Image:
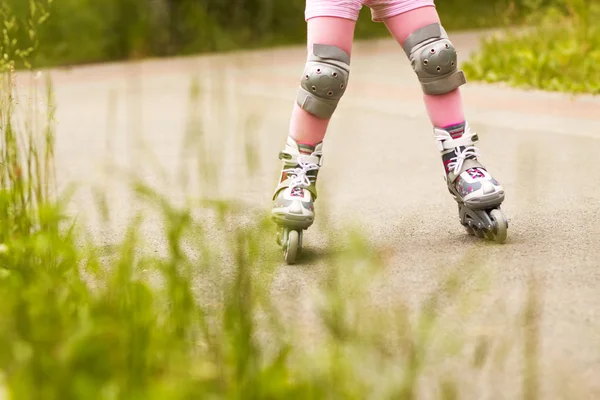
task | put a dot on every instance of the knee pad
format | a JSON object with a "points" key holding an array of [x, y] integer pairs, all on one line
{"points": [[324, 81], [434, 59]]}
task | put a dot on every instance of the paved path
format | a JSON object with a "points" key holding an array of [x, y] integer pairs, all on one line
{"points": [[382, 171]]}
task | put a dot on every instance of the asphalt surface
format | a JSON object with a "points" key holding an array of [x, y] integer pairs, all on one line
{"points": [[381, 172]]}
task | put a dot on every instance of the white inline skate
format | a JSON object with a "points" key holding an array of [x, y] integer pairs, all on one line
{"points": [[293, 208], [477, 193]]}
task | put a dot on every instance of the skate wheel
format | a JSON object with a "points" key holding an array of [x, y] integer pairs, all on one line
{"points": [[500, 225], [469, 230], [279, 237], [292, 246]]}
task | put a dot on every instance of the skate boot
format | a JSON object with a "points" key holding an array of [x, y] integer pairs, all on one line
{"points": [[293, 207], [477, 193]]}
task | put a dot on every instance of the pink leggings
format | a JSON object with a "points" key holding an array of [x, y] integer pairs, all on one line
{"points": [[327, 26]]}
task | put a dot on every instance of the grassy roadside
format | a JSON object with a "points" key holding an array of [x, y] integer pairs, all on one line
{"points": [[561, 54]]}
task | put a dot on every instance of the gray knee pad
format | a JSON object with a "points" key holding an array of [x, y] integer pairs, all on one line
{"points": [[324, 81], [434, 59]]}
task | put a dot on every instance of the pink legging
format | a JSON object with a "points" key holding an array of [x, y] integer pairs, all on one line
{"points": [[443, 110]]}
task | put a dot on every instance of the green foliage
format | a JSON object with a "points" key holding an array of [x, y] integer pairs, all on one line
{"points": [[561, 53]]}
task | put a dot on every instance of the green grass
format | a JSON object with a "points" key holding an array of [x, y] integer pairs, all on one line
{"points": [[561, 53], [199, 319]]}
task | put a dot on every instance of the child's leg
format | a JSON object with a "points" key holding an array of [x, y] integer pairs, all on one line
{"points": [[305, 127], [434, 59], [444, 109], [322, 85]]}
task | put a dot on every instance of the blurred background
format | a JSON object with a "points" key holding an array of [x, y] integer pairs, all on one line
{"points": [[90, 31]]}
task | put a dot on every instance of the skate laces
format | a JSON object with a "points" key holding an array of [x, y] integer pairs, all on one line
{"points": [[300, 174], [463, 148], [457, 162]]}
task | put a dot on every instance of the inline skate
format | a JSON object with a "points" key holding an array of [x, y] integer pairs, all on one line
{"points": [[293, 208], [478, 194]]}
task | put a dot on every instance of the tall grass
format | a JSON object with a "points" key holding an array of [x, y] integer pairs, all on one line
{"points": [[200, 320]]}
